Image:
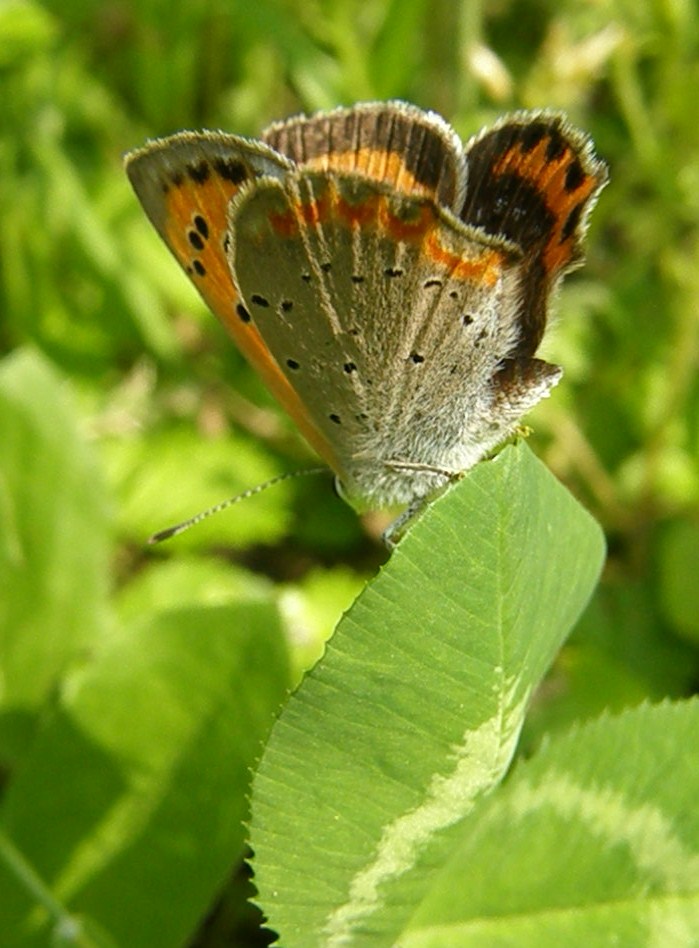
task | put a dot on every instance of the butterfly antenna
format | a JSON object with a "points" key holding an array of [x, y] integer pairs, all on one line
{"points": [[224, 504]]}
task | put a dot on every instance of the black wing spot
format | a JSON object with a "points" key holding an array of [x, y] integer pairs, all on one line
{"points": [[575, 176], [483, 334], [287, 305], [350, 367], [195, 240], [226, 243], [199, 172], [416, 358], [259, 300], [557, 145], [231, 169], [335, 418], [467, 319], [572, 222], [454, 294], [393, 272], [177, 178], [201, 226], [531, 135], [199, 268], [356, 278], [293, 364], [434, 281], [306, 277], [515, 209], [326, 267], [243, 313]]}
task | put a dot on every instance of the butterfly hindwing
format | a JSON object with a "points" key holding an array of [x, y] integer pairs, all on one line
{"points": [[379, 304]]}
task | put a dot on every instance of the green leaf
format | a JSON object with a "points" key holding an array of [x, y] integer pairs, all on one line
{"points": [[129, 809], [415, 712], [589, 843], [53, 542]]}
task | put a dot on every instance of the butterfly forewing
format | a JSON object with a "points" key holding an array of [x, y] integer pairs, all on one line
{"points": [[415, 152], [185, 184], [533, 179]]}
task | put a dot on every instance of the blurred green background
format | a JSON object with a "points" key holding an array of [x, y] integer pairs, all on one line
{"points": [[168, 419]]}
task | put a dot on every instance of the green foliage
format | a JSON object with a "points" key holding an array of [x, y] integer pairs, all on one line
{"points": [[137, 685], [53, 552], [587, 839], [130, 741], [415, 712]]}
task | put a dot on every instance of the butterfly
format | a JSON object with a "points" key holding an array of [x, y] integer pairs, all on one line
{"points": [[390, 284]]}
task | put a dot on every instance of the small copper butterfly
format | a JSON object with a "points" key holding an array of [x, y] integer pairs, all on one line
{"points": [[390, 284]]}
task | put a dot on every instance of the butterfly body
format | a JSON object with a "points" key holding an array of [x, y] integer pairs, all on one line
{"points": [[390, 285]]}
